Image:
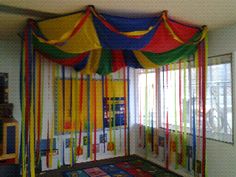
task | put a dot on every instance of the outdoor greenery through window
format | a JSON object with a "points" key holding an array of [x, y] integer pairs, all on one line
{"points": [[175, 88]]}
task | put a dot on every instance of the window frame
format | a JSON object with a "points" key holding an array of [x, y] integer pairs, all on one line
{"points": [[231, 62]]}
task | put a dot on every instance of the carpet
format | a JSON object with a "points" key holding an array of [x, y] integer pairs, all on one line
{"points": [[132, 168]]}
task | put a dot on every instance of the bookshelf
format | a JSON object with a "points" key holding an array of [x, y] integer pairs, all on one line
{"points": [[9, 139]]}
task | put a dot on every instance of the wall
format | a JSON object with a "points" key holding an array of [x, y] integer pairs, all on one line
{"points": [[221, 156], [102, 154], [48, 109], [10, 63]]}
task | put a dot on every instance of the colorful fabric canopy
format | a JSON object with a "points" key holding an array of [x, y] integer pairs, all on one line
{"points": [[91, 42], [100, 43]]}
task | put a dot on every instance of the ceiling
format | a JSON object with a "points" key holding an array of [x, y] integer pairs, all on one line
{"points": [[213, 13]]}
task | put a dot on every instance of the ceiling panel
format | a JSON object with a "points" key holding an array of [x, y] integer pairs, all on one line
{"points": [[213, 13], [11, 25]]}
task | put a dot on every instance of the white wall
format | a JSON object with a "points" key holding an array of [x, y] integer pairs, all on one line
{"points": [[221, 157], [10, 63]]}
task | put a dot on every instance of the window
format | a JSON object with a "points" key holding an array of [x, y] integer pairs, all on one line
{"points": [[170, 87], [219, 99]]}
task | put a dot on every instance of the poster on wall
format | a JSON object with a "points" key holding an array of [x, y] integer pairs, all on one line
{"points": [[103, 138], [113, 109]]}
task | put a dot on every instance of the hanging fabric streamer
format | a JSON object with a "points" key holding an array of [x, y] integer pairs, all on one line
{"points": [[157, 110], [31, 122], [190, 114], [95, 119], [149, 119], [107, 105], [23, 101], [176, 126], [48, 146], [79, 148], [140, 115], [75, 111], [167, 119], [57, 103], [125, 111], [38, 128], [60, 116], [38, 108], [152, 117], [204, 77], [120, 123], [48, 115], [146, 110], [28, 65], [42, 97], [184, 116], [34, 92], [110, 145], [71, 118], [23, 121], [128, 108], [196, 102], [199, 99], [104, 112], [164, 107], [171, 139], [194, 136], [149, 116], [64, 112], [27, 82], [91, 118], [205, 56], [200, 103], [152, 120], [113, 107], [53, 80], [35, 103], [88, 115], [180, 114]]}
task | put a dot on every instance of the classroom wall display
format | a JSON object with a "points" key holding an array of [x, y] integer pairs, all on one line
{"points": [[114, 111], [114, 107]]}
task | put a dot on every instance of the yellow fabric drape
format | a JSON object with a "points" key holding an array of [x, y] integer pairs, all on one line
{"points": [[85, 40], [143, 60], [93, 62]]}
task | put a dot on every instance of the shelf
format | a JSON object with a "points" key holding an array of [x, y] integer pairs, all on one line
{"points": [[7, 156], [9, 140]]}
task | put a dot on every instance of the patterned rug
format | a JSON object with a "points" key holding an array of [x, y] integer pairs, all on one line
{"points": [[134, 168]]}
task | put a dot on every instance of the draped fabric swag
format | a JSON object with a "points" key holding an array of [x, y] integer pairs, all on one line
{"points": [[95, 44]]}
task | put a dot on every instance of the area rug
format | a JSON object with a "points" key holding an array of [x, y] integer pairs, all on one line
{"points": [[132, 168]]}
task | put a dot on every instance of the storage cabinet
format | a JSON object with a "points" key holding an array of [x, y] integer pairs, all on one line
{"points": [[9, 140]]}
